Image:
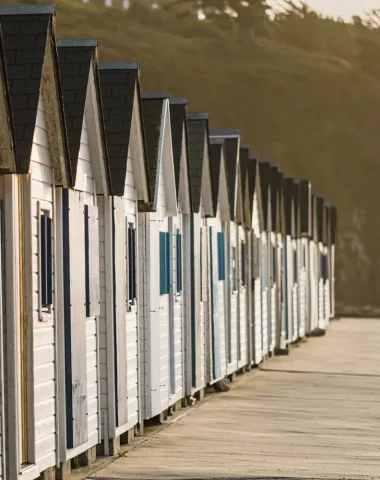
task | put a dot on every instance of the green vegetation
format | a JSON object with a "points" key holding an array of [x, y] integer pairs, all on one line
{"points": [[304, 90]]}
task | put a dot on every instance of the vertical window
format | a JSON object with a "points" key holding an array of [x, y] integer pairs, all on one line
{"points": [[87, 260], [46, 260], [179, 261], [243, 263], [164, 263], [295, 265], [131, 239], [221, 256]]}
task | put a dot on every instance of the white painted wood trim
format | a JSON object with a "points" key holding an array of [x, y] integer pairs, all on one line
{"points": [[108, 255], [11, 247]]}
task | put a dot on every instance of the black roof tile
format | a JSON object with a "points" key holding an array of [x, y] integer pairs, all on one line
{"points": [[305, 207], [6, 128], [152, 114], [334, 223], [179, 129], [76, 56], [119, 80], [254, 183], [231, 145], [288, 186], [320, 214], [265, 183], [27, 30], [216, 156], [198, 134]]}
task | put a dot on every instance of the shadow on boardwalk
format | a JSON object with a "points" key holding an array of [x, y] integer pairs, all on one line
{"points": [[312, 415]]}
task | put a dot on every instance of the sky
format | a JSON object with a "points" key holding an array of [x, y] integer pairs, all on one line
{"points": [[342, 8]]}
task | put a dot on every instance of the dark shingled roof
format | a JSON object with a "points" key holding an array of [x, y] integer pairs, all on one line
{"points": [[231, 142], [179, 128], [288, 187], [274, 188], [254, 181], [305, 207], [75, 57], [177, 123], [321, 223], [198, 133], [334, 223], [7, 164], [314, 228], [281, 211], [216, 149], [119, 81], [265, 183], [297, 217], [152, 113], [244, 159], [26, 30], [328, 222]]}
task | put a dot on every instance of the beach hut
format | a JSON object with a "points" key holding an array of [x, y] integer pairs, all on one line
{"points": [[266, 186], [305, 232], [218, 254], [279, 269], [180, 316], [198, 327], [274, 259], [332, 242], [298, 258], [244, 339], [323, 317], [122, 255], [31, 225], [290, 261], [236, 320], [160, 225], [78, 272], [254, 221], [314, 267]]}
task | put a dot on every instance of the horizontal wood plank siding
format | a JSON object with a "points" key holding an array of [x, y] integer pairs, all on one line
{"points": [[43, 332]]}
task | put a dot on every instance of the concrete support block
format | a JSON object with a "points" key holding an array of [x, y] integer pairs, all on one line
{"points": [[86, 458], [64, 470], [127, 437], [48, 474]]}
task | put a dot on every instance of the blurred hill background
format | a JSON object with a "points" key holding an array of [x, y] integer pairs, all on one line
{"points": [[303, 89]]}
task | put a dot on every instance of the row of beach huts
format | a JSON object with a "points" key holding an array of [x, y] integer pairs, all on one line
{"points": [[144, 257]]}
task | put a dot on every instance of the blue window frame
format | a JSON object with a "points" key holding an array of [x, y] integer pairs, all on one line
{"points": [[179, 261], [164, 263], [221, 256]]}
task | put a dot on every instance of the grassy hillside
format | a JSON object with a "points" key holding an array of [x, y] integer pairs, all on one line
{"points": [[308, 95]]}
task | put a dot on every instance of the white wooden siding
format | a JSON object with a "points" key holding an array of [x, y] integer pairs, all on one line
{"points": [[219, 318], [264, 293], [176, 324], [273, 317], [243, 348], [85, 179], [313, 294], [43, 332], [130, 209], [258, 356], [233, 314], [102, 319], [85, 184]]}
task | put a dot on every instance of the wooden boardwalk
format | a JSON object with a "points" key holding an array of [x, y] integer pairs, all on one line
{"points": [[314, 414]]}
